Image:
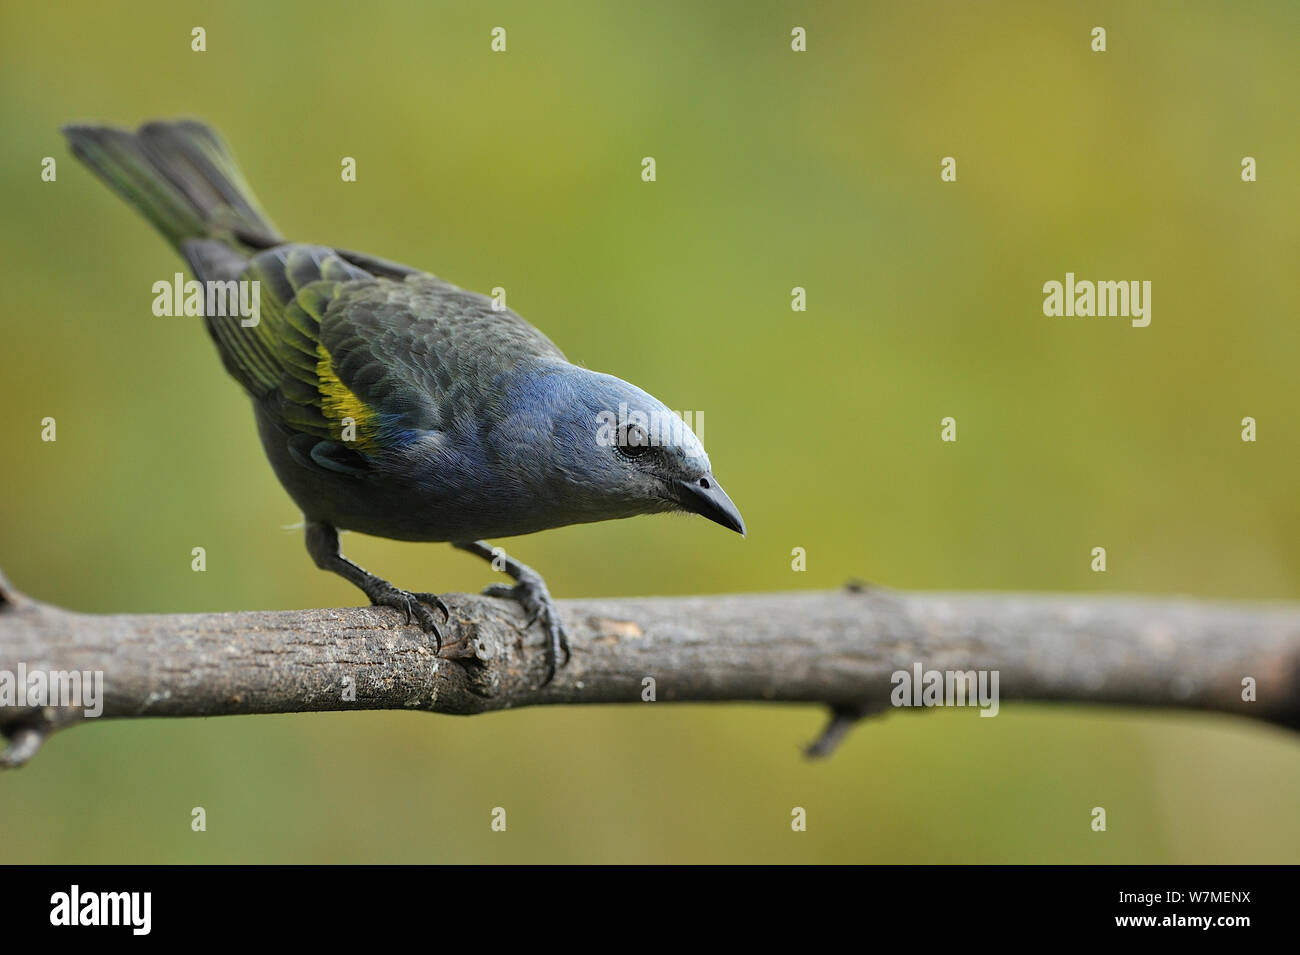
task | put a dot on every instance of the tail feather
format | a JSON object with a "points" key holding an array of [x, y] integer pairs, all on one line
{"points": [[179, 176]]}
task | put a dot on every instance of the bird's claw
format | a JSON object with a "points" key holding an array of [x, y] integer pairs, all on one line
{"points": [[531, 594], [433, 600], [413, 606]]}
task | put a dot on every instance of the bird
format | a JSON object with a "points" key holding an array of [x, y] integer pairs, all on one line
{"points": [[392, 403]]}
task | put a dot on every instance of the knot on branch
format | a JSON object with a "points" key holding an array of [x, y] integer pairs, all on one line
{"points": [[480, 654], [27, 728]]}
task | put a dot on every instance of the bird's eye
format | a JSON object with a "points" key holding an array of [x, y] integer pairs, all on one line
{"points": [[633, 441]]}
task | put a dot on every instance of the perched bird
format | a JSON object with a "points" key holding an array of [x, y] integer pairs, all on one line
{"points": [[393, 403]]}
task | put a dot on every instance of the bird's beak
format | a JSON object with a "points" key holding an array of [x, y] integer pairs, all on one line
{"points": [[705, 496]]}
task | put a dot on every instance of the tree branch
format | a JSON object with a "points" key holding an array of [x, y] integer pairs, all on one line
{"points": [[835, 648]]}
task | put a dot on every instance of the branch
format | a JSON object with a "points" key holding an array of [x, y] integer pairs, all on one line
{"points": [[835, 648]]}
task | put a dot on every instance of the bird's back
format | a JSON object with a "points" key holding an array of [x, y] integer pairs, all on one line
{"points": [[337, 346], [342, 340]]}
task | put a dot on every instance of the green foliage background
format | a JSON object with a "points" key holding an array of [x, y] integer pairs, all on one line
{"points": [[775, 170]]}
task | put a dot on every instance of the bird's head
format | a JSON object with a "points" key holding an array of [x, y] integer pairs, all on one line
{"points": [[612, 450]]}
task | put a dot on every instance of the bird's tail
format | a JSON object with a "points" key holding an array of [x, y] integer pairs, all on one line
{"points": [[179, 176]]}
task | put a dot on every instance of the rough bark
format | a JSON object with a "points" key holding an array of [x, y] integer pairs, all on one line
{"points": [[835, 648]]}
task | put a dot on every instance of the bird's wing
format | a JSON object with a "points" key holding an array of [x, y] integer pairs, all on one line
{"points": [[424, 350], [354, 364]]}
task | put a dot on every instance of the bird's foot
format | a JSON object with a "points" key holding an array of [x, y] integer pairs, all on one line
{"points": [[413, 605], [531, 593]]}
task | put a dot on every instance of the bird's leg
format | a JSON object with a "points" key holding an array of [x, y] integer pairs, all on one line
{"points": [[323, 545], [531, 593]]}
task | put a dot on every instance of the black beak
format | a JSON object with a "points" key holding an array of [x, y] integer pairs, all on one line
{"points": [[705, 496]]}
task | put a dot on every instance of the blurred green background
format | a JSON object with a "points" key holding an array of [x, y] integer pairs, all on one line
{"points": [[775, 169]]}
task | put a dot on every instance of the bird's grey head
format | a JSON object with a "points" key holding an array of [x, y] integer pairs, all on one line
{"points": [[598, 448]]}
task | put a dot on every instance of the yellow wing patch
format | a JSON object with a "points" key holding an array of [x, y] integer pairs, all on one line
{"points": [[350, 419]]}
